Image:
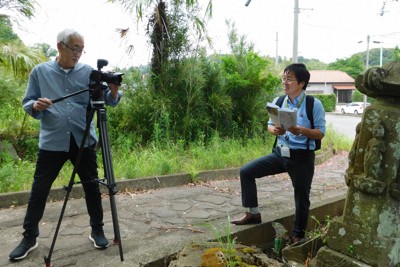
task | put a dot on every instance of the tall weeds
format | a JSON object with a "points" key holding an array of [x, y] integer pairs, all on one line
{"points": [[160, 158]]}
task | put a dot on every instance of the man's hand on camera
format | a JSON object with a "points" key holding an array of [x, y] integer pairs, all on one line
{"points": [[42, 104], [114, 90]]}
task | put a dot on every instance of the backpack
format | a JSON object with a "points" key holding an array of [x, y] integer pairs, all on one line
{"points": [[309, 111]]}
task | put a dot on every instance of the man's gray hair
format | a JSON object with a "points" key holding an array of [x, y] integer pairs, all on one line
{"points": [[65, 35]]}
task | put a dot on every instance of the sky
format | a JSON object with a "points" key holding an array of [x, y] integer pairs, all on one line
{"points": [[327, 30]]}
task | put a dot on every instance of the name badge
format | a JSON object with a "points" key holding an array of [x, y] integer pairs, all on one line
{"points": [[285, 152]]}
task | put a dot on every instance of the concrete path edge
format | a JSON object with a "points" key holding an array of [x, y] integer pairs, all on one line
{"points": [[14, 199]]}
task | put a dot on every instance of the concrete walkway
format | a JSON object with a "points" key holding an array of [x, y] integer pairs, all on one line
{"points": [[157, 223]]}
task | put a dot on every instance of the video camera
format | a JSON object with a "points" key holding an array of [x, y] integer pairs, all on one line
{"points": [[96, 79], [97, 76]]}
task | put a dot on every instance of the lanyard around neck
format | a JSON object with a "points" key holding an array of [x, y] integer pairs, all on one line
{"points": [[298, 104]]}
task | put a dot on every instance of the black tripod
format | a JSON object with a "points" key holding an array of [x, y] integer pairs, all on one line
{"points": [[96, 106]]}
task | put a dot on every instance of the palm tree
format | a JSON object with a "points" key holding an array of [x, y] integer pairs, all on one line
{"points": [[19, 59], [158, 27], [15, 9], [14, 55], [138, 6]]}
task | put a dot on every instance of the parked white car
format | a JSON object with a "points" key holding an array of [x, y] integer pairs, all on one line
{"points": [[354, 108]]}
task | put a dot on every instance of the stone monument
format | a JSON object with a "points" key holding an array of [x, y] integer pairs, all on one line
{"points": [[368, 234]]}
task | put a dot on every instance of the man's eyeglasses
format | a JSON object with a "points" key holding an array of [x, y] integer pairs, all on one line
{"points": [[74, 50], [287, 80]]}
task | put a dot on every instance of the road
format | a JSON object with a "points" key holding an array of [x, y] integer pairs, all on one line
{"points": [[344, 124]]}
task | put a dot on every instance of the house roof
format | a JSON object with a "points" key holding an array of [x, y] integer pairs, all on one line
{"points": [[330, 76], [343, 87]]}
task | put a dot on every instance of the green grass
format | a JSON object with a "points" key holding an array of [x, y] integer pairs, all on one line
{"points": [[130, 161], [336, 141]]}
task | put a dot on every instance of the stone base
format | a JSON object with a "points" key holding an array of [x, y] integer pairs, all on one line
{"points": [[369, 185], [303, 251], [328, 258], [214, 254], [361, 245]]}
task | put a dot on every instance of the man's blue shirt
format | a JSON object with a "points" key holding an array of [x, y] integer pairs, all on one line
{"points": [[300, 141], [68, 116]]}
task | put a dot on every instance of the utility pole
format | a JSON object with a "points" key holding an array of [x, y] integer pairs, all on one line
{"points": [[276, 52], [381, 52], [366, 68], [295, 58], [367, 60]]}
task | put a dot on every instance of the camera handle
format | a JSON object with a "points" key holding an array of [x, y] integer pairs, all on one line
{"points": [[66, 96], [108, 181]]}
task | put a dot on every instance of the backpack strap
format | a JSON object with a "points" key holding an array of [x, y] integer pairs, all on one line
{"points": [[309, 111], [279, 103]]}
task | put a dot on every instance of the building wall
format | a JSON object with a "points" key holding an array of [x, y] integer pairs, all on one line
{"points": [[319, 88]]}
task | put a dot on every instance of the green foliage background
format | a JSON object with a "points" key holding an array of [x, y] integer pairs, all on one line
{"points": [[328, 101], [186, 112]]}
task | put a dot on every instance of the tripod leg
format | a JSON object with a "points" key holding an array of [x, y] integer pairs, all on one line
{"points": [[47, 259], [109, 174]]}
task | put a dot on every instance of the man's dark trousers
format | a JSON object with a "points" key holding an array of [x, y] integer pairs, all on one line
{"points": [[49, 164], [300, 167]]}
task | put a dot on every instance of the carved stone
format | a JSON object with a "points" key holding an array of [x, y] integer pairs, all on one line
{"points": [[369, 231]]}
